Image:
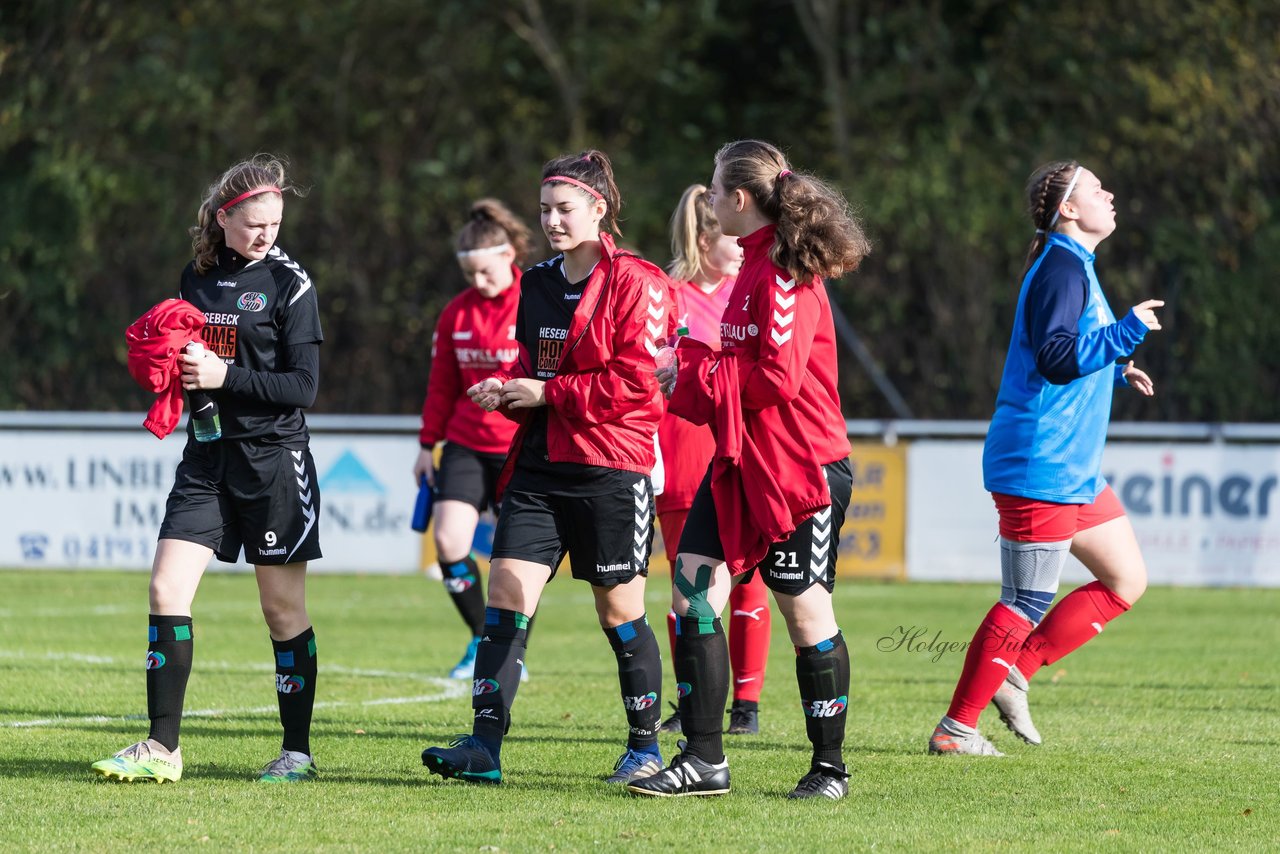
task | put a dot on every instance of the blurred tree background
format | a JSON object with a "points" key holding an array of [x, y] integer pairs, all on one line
{"points": [[116, 114]]}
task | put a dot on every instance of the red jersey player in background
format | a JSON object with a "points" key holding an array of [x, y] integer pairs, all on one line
{"points": [[775, 495], [704, 263], [474, 339]]}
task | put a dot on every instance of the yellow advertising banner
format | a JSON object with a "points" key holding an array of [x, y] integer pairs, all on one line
{"points": [[871, 541]]}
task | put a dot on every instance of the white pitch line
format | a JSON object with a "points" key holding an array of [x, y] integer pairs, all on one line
{"points": [[449, 689], [97, 611]]}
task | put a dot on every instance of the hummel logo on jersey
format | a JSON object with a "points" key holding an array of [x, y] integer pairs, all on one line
{"points": [[222, 284], [462, 335]]}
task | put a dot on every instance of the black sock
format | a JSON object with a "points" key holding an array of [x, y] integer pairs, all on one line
{"points": [[296, 688], [168, 666], [822, 673], [701, 662], [497, 675], [466, 589], [640, 677]]}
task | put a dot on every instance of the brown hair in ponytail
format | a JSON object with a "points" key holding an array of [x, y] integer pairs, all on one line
{"points": [[261, 170], [491, 223], [1045, 190], [817, 233]]}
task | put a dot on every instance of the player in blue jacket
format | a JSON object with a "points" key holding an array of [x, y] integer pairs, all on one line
{"points": [[1042, 462]]}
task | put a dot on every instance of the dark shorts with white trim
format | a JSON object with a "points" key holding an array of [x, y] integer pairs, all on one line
{"points": [[233, 494], [791, 567], [608, 538]]}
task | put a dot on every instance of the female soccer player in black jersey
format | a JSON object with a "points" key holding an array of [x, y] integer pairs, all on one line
{"points": [[577, 479], [255, 488]]}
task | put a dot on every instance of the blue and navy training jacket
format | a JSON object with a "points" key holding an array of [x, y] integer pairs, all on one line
{"points": [[1046, 437]]}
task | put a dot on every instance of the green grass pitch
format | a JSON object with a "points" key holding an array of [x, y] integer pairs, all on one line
{"points": [[1164, 733]]}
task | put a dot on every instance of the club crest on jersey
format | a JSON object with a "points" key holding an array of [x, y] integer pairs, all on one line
{"points": [[252, 301]]}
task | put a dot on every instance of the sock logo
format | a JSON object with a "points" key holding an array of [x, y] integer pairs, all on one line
{"points": [[459, 585], [289, 683], [639, 704], [155, 660], [484, 686], [825, 708], [683, 689]]}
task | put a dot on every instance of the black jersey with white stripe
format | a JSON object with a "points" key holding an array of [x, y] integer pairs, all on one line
{"points": [[255, 311]]}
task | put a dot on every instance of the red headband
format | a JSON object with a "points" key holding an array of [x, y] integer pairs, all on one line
{"points": [[240, 198], [575, 182]]}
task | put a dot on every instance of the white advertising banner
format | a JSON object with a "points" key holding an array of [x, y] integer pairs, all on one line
{"points": [[1204, 514], [85, 499]]}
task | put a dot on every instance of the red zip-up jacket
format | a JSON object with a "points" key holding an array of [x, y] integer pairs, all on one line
{"points": [[687, 448], [781, 337], [603, 403], [474, 338], [155, 339]]}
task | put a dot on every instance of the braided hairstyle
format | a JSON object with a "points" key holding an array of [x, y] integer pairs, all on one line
{"points": [[693, 219], [592, 168], [1046, 189], [491, 223], [817, 234], [261, 170]]}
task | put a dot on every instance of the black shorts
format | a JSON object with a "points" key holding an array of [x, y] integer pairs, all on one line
{"points": [[608, 537], [468, 476], [228, 494], [806, 558]]}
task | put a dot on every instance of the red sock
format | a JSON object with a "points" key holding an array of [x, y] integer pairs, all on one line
{"points": [[749, 624], [1074, 621], [992, 652]]}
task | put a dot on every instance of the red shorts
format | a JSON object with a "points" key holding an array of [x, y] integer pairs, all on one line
{"points": [[1027, 520]]}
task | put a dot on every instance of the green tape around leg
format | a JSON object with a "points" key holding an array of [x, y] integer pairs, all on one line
{"points": [[522, 621], [311, 647], [181, 633], [695, 592]]}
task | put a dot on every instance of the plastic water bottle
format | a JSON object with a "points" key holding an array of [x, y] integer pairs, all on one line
{"points": [[666, 355], [204, 409], [422, 507]]}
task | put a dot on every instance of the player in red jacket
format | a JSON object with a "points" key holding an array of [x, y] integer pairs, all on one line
{"points": [[474, 338], [704, 263], [775, 496], [255, 488], [577, 480]]}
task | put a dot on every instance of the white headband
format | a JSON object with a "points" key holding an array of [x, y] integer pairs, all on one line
{"points": [[1065, 196], [488, 250]]}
